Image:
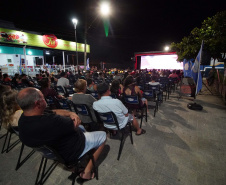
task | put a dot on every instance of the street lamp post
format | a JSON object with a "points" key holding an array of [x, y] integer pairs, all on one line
{"points": [[75, 21]]}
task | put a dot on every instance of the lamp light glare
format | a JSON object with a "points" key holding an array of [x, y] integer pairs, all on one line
{"points": [[105, 9], [75, 21], [29, 53], [166, 48]]}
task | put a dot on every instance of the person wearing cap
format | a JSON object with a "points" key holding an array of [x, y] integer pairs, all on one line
{"points": [[107, 104]]}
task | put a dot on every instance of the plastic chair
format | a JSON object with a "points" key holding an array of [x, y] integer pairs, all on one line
{"points": [[95, 94], [150, 96], [109, 118], [83, 109], [49, 153], [69, 91], [173, 83], [61, 90], [65, 104], [133, 102], [158, 92], [7, 143], [165, 85], [52, 102], [10, 146]]}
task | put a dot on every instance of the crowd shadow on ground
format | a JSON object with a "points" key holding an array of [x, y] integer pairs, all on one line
{"points": [[171, 115]]}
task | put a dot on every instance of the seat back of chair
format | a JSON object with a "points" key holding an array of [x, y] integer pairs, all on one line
{"points": [[15, 129], [52, 102], [131, 99], [154, 87], [109, 118], [113, 96], [64, 104], [94, 94], [132, 102], [69, 90], [83, 109], [148, 94], [60, 90]]}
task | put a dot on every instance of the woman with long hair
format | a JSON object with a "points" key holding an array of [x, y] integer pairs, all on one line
{"points": [[47, 90], [116, 88], [10, 111], [130, 88]]}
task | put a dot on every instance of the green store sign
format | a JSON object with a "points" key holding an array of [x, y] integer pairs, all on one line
{"points": [[44, 41]]}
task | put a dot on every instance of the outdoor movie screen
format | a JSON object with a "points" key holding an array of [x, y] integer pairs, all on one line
{"points": [[160, 62]]}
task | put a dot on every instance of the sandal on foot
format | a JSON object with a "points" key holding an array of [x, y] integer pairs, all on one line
{"points": [[142, 132], [84, 179]]}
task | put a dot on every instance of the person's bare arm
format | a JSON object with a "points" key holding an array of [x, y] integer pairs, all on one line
{"points": [[72, 115], [95, 87], [137, 90]]}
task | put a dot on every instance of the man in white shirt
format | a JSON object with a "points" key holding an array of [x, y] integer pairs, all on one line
{"points": [[108, 104], [63, 81]]}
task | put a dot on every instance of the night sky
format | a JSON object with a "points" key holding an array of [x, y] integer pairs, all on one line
{"points": [[135, 25]]}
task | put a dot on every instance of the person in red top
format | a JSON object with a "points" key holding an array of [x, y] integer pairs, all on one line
{"points": [[174, 75], [6, 78]]}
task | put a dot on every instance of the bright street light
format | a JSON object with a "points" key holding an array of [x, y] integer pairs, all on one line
{"points": [[75, 22], [166, 48], [105, 9]]}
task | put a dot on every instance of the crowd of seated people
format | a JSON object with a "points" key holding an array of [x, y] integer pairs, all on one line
{"points": [[28, 106]]}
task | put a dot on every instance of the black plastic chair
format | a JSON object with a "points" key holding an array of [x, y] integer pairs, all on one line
{"points": [[83, 109], [49, 153], [20, 86], [65, 104], [52, 103], [113, 96], [61, 90], [133, 102], [69, 91], [10, 146], [150, 96], [165, 85], [109, 118], [95, 94], [4, 135], [173, 83], [158, 93], [7, 145]]}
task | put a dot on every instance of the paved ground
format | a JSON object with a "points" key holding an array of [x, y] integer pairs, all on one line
{"points": [[181, 147]]}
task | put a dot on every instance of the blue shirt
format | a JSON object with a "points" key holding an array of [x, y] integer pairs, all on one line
{"points": [[108, 104]]}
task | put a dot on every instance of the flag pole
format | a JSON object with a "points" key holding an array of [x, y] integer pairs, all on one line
{"points": [[199, 69]]}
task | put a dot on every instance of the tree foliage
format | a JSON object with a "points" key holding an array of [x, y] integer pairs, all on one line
{"points": [[212, 32]]}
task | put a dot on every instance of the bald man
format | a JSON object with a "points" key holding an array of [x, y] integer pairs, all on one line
{"points": [[59, 129]]}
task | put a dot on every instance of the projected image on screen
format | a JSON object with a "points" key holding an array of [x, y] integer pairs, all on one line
{"points": [[160, 62]]}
